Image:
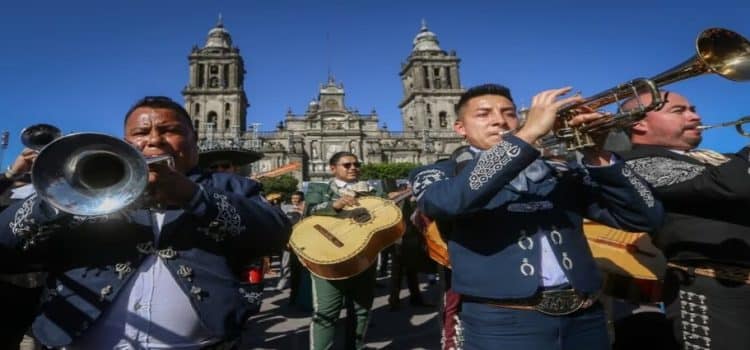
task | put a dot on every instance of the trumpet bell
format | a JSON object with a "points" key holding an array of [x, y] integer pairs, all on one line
{"points": [[89, 174], [725, 53], [39, 135]]}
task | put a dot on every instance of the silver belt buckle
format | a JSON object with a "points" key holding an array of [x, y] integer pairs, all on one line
{"points": [[561, 302]]}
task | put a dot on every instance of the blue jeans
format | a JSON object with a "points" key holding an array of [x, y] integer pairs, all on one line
{"points": [[491, 327]]}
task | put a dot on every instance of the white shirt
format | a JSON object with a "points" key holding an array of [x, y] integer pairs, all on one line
{"points": [[151, 312]]}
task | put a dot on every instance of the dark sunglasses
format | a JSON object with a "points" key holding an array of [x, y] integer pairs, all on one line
{"points": [[220, 166], [349, 165]]}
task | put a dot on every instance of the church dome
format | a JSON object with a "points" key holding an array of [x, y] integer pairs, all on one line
{"points": [[426, 40], [219, 37]]}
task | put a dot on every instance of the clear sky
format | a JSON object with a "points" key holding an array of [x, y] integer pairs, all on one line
{"points": [[81, 64]]}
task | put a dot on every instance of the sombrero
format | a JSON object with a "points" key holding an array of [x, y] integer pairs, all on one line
{"points": [[238, 157]]}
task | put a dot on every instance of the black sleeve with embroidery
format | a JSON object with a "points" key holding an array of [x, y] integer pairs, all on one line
{"points": [[677, 180], [230, 209], [617, 197]]}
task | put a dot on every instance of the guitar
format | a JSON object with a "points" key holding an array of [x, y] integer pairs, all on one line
{"points": [[633, 267], [437, 249], [342, 246]]}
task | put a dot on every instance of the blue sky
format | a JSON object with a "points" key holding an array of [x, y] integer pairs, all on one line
{"points": [[81, 64]]}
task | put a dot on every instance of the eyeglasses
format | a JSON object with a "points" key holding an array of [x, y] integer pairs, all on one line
{"points": [[349, 165], [220, 166]]}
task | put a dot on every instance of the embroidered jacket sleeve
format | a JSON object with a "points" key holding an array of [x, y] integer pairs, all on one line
{"points": [[24, 225], [674, 179], [230, 208], [442, 195], [617, 197]]}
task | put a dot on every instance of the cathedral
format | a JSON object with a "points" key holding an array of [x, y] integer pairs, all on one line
{"points": [[215, 98]]}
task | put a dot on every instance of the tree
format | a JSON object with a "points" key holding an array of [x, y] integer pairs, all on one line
{"points": [[285, 184], [387, 171]]}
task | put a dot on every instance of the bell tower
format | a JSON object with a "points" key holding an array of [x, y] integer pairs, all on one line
{"points": [[431, 85], [215, 94]]}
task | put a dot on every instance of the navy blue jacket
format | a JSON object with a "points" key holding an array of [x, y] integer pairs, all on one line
{"points": [[495, 228], [90, 259]]}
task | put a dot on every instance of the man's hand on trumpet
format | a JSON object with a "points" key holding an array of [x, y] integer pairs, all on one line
{"points": [[168, 187]]}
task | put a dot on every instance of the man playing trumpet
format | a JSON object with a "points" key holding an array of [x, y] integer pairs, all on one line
{"points": [[706, 233], [147, 278], [520, 262]]}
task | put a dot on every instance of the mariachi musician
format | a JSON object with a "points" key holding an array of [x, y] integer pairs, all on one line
{"points": [[357, 291], [706, 234], [157, 275], [520, 261]]}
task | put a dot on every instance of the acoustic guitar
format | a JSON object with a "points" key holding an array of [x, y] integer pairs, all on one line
{"points": [[633, 267], [342, 246], [437, 249]]}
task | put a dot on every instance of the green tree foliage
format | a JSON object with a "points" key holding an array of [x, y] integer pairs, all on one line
{"points": [[285, 184], [387, 171]]}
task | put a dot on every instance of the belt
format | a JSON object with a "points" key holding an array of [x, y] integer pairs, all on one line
{"points": [[716, 271], [555, 302]]}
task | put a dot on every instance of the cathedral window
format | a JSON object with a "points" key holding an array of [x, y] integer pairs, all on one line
{"points": [[226, 124], [443, 118], [436, 78], [429, 109], [211, 118], [225, 76], [448, 78], [429, 123], [214, 82], [227, 109], [201, 75], [214, 69], [197, 125], [426, 77], [197, 110]]}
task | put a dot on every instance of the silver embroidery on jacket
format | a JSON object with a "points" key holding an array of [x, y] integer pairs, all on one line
{"points": [[663, 171], [639, 186], [426, 178], [227, 223], [23, 225], [491, 162]]}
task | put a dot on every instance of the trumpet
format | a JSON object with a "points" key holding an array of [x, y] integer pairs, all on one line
{"points": [[738, 124], [92, 174], [39, 135], [719, 51]]}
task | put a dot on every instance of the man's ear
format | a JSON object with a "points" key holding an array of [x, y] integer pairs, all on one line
{"points": [[458, 127], [639, 127]]}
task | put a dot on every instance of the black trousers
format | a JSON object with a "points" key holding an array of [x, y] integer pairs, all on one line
{"points": [[707, 313]]}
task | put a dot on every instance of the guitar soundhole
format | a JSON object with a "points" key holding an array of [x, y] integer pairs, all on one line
{"points": [[362, 217]]}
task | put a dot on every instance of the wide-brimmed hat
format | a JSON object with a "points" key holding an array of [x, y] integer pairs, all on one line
{"points": [[238, 157]]}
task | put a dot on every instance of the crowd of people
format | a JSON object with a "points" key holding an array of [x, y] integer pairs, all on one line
{"points": [[184, 269]]}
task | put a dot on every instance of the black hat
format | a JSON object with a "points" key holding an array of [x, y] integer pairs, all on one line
{"points": [[238, 157]]}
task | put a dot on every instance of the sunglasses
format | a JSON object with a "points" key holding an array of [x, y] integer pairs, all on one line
{"points": [[349, 165], [220, 166]]}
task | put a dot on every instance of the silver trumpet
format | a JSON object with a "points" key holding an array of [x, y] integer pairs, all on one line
{"points": [[92, 174], [739, 124]]}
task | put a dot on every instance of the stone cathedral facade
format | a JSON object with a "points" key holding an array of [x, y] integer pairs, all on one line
{"points": [[216, 100]]}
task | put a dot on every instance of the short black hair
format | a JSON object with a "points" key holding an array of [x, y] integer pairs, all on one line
{"points": [[338, 155], [161, 102], [300, 194], [480, 90]]}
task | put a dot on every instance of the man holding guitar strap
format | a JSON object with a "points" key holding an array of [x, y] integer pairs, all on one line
{"points": [[519, 258], [329, 296]]}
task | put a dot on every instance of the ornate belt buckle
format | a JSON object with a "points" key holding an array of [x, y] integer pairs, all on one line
{"points": [[559, 302]]}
